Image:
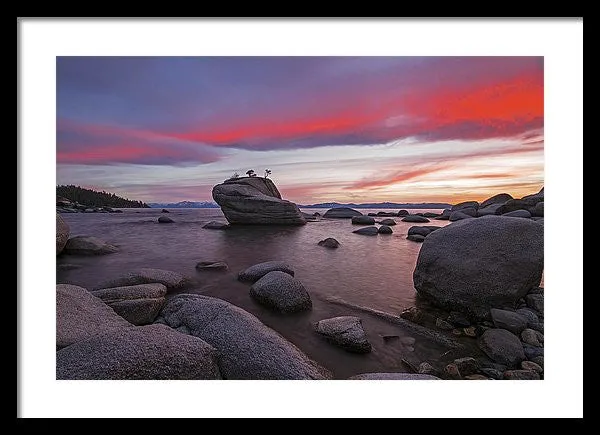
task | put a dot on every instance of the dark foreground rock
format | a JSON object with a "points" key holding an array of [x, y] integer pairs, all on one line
{"points": [[85, 245], [384, 229], [172, 280], [388, 222], [502, 346], [367, 231], [518, 213], [281, 292], [460, 215], [509, 320], [138, 304], [363, 220], [393, 377], [329, 242], [346, 332], [154, 352], [62, 233], [501, 198], [214, 225], [416, 238], [478, 264], [342, 213], [247, 349], [465, 205], [415, 218], [165, 220], [521, 375], [256, 272], [255, 201], [80, 315]]}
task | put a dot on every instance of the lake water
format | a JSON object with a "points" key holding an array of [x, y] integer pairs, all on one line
{"points": [[374, 272]]}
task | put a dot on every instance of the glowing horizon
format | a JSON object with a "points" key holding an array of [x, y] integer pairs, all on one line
{"points": [[344, 129]]}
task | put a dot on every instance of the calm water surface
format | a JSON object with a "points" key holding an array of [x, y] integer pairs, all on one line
{"points": [[374, 272]]}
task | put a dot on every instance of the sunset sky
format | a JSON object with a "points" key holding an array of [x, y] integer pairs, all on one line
{"points": [[346, 129]]}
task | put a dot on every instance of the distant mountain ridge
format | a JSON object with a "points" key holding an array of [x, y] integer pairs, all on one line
{"points": [[381, 205]]}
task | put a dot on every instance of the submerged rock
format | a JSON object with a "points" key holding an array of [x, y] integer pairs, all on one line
{"points": [[341, 213], [80, 315], [415, 218], [247, 349], [211, 265], [329, 242], [256, 201], [367, 231], [138, 304], [85, 245], [165, 220], [256, 272], [363, 220], [416, 238], [384, 229], [172, 280], [282, 292], [214, 225], [145, 352], [388, 222], [478, 264], [62, 233], [346, 332]]}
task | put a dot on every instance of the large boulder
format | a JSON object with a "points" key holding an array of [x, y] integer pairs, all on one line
{"points": [[465, 205], [415, 218], [138, 304], [461, 215], [247, 349], [518, 214], [346, 332], [86, 245], [154, 352], [502, 347], [538, 210], [172, 280], [501, 198], [363, 220], [478, 264], [525, 203], [81, 315], [256, 272], [489, 210], [393, 377], [281, 292], [62, 233], [342, 213], [256, 201]]}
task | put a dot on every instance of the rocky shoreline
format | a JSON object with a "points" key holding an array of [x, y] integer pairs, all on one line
{"points": [[477, 280]]}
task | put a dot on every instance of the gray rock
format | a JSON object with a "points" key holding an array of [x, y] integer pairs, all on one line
{"points": [[402, 213], [524, 203], [414, 218], [538, 210], [214, 225], [502, 346], [416, 238], [465, 205], [518, 213], [521, 375], [329, 242], [80, 315], [536, 291], [501, 198], [492, 373], [256, 201], [388, 222], [466, 366], [509, 320], [384, 229], [172, 280], [138, 304], [532, 352], [341, 213], [538, 326], [531, 337], [539, 360], [84, 245], [346, 332], [393, 377], [256, 272], [387, 213], [460, 215], [530, 365], [165, 220], [430, 214], [145, 352], [531, 317], [489, 210], [211, 265], [458, 319], [247, 349], [62, 233], [478, 264], [536, 302], [367, 231], [421, 230], [442, 324], [363, 220], [281, 292]]}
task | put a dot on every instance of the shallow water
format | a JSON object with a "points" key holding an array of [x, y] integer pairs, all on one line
{"points": [[373, 272]]}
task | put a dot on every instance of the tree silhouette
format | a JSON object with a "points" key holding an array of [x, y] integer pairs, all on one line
{"points": [[267, 173], [250, 173]]}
